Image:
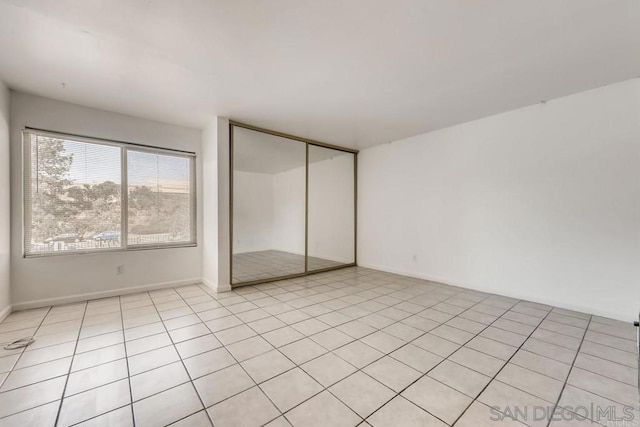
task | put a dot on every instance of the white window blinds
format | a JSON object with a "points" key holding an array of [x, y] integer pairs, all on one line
{"points": [[160, 198], [86, 195]]}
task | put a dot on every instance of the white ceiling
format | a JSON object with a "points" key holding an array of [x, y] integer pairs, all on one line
{"points": [[354, 73]]}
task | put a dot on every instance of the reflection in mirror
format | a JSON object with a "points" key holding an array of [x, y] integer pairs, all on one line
{"points": [[268, 206], [331, 208]]}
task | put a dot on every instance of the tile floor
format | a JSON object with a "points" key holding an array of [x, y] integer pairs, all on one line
{"points": [[344, 348], [261, 265]]}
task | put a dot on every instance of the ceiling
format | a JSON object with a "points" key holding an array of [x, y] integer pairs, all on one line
{"points": [[268, 154], [355, 73]]}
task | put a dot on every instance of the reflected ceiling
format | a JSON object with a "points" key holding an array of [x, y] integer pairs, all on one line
{"points": [[264, 153]]}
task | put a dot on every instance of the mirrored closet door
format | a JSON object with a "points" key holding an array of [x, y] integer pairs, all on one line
{"points": [[293, 206], [268, 206], [331, 208]]}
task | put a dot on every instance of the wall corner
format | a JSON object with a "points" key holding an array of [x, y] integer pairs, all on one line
{"points": [[215, 173]]}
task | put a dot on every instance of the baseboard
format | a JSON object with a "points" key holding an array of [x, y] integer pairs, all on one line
{"points": [[518, 295], [102, 294], [248, 251], [5, 312], [288, 251], [334, 259], [216, 287], [327, 257]]}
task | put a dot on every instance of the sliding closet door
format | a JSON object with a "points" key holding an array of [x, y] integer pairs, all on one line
{"points": [[268, 206], [331, 208]]}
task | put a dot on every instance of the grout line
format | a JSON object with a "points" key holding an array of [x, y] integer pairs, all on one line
{"points": [[438, 364], [182, 362], [388, 354], [24, 349], [611, 347], [66, 382], [332, 351], [290, 324], [99, 415], [362, 369], [501, 368], [310, 284], [569, 373], [126, 355], [607, 360]]}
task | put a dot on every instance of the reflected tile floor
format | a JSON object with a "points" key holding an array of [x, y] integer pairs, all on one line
{"points": [[260, 265], [343, 348]]}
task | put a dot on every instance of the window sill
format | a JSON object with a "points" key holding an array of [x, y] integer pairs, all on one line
{"points": [[108, 251]]}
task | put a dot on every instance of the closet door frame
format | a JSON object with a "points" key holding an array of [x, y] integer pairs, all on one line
{"points": [[308, 142]]}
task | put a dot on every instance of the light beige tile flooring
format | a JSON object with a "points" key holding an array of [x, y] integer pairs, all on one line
{"points": [[343, 348], [262, 265]]}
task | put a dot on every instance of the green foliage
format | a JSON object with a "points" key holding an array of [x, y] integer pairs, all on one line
{"points": [[50, 167], [156, 212]]}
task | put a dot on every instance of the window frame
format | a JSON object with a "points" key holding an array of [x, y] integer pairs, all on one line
{"points": [[124, 147]]}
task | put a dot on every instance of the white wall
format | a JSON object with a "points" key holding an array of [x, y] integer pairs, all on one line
{"points": [[37, 281], [289, 211], [541, 203], [5, 214], [252, 212], [216, 260], [210, 205]]}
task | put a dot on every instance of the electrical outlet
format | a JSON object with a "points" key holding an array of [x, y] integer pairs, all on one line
{"points": [[120, 269], [415, 257]]}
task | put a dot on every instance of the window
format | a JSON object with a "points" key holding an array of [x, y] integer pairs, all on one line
{"points": [[159, 198], [88, 195]]}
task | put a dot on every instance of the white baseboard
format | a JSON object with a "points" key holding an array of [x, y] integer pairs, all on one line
{"points": [[322, 256], [216, 287], [237, 251], [5, 312], [334, 259], [102, 294], [541, 299]]}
